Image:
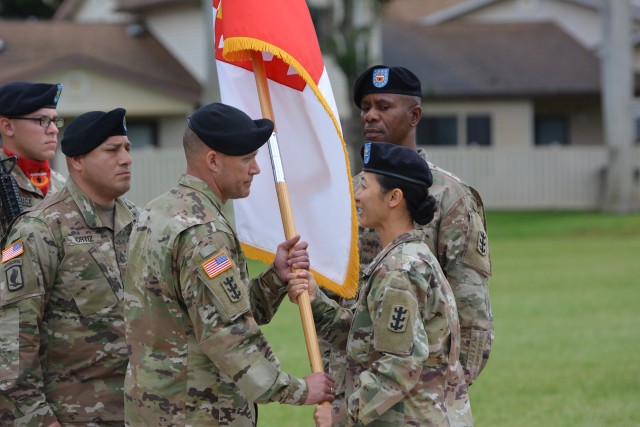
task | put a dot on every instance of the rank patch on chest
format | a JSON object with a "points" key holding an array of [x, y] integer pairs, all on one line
{"points": [[12, 251], [483, 243], [398, 318], [217, 264]]}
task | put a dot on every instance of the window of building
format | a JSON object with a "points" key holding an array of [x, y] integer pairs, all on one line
{"points": [[438, 130], [478, 130], [551, 130], [142, 134]]}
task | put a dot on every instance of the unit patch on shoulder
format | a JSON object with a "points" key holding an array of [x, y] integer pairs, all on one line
{"points": [[232, 289], [216, 264], [15, 282], [393, 326], [12, 251], [483, 243], [398, 318]]}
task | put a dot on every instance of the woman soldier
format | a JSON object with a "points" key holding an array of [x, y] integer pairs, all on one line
{"points": [[402, 337]]}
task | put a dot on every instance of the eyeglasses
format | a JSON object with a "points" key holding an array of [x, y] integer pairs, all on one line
{"points": [[44, 121]]}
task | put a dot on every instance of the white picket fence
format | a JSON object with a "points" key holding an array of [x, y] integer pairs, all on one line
{"points": [[540, 178]]}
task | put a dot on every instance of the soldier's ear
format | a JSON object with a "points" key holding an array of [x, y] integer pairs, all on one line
{"points": [[75, 163], [212, 160], [395, 197], [6, 126], [415, 115]]}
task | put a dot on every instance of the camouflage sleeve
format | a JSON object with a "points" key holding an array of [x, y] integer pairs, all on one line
{"points": [[217, 300], [463, 253], [332, 321], [27, 270], [400, 340], [267, 292]]}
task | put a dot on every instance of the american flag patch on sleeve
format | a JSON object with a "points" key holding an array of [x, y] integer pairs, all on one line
{"points": [[217, 264], [12, 251]]}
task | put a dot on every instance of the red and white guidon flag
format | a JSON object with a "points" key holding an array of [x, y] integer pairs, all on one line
{"points": [[313, 152]]}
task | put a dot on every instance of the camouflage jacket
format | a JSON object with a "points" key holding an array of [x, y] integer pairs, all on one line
{"points": [[457, 236], [197, 355], [61, 295], [29, 193], [402, 341]]}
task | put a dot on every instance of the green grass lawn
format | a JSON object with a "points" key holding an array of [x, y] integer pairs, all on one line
{"points": [[566, 301]]}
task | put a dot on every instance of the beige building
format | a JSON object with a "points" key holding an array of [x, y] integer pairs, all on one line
{"points": [[505, 74], [511, 87]]}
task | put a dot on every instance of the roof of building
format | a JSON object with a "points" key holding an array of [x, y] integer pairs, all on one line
{"points": [[413, 10], [139, 5], [482, 60], [32, 48], [440, 15]]}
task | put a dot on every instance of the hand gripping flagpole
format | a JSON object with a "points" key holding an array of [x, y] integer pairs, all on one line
{"points": [[286, 212]]}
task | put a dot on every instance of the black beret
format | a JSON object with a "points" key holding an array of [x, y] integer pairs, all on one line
{"points": [[383, 79], [89, 130], [229, 130], [20, 98], [397, 162]]}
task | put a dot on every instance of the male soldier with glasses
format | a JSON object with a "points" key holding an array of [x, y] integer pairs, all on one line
{"points": [[29, 128]]}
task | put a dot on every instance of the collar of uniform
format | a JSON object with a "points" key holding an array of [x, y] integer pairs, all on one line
{"points": [[423, 154], [226, 210], [88, 211], [405, 237], [201, 187]]}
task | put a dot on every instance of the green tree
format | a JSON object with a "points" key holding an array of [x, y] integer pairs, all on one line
{"points": [[346, 34]]}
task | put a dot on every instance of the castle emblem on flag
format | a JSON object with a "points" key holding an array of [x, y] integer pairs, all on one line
{"points": [[12, 251], [217, 264], [380, 77]]}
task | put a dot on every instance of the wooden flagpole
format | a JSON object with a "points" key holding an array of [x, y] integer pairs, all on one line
{"points": [[304, 303]]}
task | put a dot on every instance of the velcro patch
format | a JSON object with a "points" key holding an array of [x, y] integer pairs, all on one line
{"points": [[232, 288], [217, 264], [398, 318], [13, 273], [228, 291], [393, 325], [476, 253], [12, 251], [483, 243]]}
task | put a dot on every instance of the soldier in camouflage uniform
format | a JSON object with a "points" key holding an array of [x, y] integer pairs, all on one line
{"points": [[197, 355], [29, 128], [61, 287], [390, 103], [402, 337]]}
